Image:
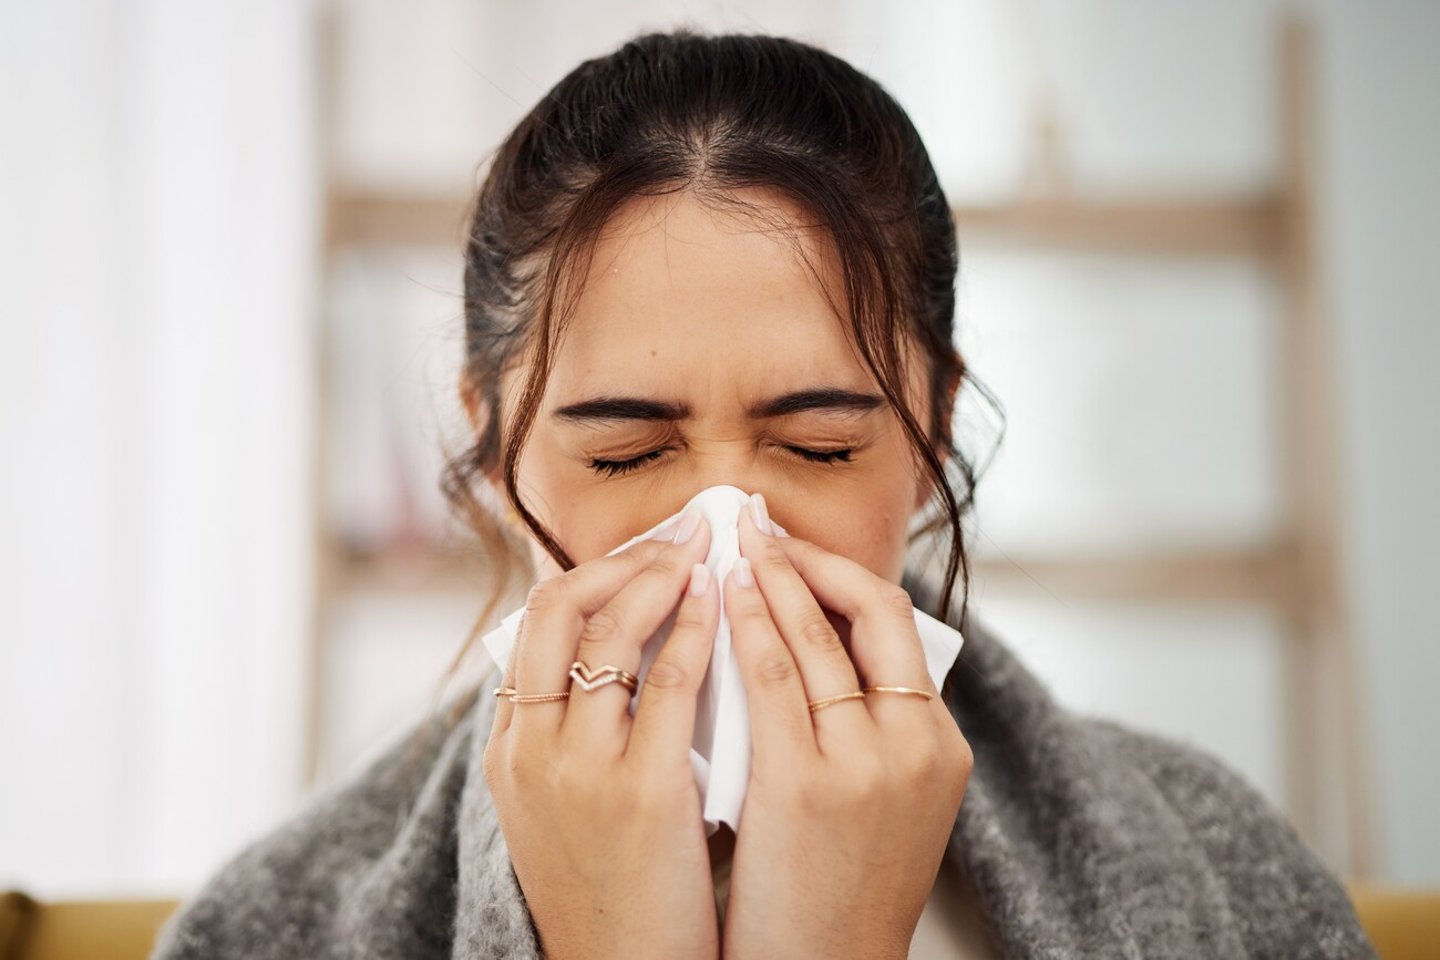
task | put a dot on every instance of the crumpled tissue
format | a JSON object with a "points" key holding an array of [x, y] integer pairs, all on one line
{"points": [[721, 750]]}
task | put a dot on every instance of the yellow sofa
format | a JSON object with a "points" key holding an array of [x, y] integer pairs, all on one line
{"points": [[79, 929], [1404, 925]]}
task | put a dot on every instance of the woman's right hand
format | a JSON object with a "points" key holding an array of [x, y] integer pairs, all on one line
{"points": [[599, 810]]}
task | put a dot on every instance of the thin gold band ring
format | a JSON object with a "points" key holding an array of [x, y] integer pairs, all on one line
{"points": [[516, 697], [860, 695]]}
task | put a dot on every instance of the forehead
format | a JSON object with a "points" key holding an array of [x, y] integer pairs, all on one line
{"points": [[684, 294]]}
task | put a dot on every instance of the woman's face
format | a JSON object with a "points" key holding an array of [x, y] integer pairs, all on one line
{"points": [[692, 323]]}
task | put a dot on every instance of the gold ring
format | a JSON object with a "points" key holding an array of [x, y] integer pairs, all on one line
{"points": [[826, 701], [922, 693], [860, 695], [514, 697], [605, 673]]}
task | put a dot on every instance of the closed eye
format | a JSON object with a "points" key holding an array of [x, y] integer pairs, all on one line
{"points": [[612, 468]]}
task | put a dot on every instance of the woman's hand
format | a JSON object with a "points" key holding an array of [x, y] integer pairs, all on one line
{"points": [[599, 810], [848, 809]]}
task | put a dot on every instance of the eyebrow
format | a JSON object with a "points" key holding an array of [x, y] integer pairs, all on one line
{"points": [[614, 409]]}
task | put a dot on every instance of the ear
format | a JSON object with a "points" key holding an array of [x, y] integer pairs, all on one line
{"points": [[470, 400], [477, 412], [953, 387]]}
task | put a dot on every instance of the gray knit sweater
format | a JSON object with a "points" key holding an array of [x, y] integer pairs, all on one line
{"points": [[1083, 839]]}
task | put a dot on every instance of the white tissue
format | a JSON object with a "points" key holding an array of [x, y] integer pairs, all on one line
{"points": [[720, 752]]}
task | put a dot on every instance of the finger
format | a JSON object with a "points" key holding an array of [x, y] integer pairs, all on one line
{"points": [[780, 727], [556, 609], [664, 725], [598, 720], [825, 667], [884, 642], [505, 709]]}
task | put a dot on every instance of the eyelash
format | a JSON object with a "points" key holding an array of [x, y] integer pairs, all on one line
{"points": [[611, 468]]}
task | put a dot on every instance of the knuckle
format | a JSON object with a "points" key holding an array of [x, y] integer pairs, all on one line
{"points": [[770, 554], [949, 760], [492, 764], [544, 594], [505, 768], [752, 618], [776, 669], [667, 675], [816, 631], [744, 605], [962, 755], [690, 618], [641, 554], [602, 625], [564, 774], [809, 799], [897, 599], [926, 763], [667, 564], [863, 782], [643, 797], [804, 790], [572, 774]]}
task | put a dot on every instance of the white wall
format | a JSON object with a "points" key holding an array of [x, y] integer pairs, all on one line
{"points": [[1381, 197], [158, 246]]}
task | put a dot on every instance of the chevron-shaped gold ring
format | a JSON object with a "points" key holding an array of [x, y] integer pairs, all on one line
{"points": [[605, 673]]}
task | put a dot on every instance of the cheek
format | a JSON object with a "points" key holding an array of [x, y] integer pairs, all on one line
{"points": [[591, 524], [868, 527], [588, 519]]}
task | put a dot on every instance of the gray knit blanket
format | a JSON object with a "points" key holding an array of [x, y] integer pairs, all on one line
{"points": [[1083, 839]]}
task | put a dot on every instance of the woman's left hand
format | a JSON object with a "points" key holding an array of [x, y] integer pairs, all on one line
{"points": [[849, 808]]}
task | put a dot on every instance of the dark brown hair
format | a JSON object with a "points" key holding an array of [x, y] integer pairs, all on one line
{"points": [[709, 114]]}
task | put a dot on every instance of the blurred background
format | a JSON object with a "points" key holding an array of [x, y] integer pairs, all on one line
{"points": [[1199, 248]]}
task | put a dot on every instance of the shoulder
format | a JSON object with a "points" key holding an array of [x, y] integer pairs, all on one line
{"points": [[295, 889], [1279, 890]]}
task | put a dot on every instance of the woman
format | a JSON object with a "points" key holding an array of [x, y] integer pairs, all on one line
{"points": [[727, 259]]}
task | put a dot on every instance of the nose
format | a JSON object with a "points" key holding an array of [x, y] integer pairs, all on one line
{"points": [[740, 483], [732, 459], [736, 465], [743, 468]]}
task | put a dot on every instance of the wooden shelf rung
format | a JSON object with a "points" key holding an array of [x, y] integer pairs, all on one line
{"points": [[1264, 574], [1178, 225]]}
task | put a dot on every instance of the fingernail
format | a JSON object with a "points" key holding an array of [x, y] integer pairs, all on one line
{"points": [[743, 574], [760, 514], [689, 523], [779, 530], [699, 580]]}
